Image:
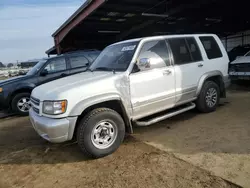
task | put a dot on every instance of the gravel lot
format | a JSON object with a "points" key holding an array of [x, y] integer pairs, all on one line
{"points": [[189, 150]]}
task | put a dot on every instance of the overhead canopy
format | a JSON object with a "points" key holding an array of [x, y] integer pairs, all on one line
{"points": [[98, 23], [51, 51]]}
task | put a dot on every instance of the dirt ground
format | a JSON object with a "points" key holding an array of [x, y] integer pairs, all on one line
{"points": [[28, 161], [218, 142], [189, 150]]}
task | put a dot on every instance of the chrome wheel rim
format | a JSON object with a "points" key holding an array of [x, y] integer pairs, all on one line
{"points": [[211, 97], [24, 104], [104, 134]]}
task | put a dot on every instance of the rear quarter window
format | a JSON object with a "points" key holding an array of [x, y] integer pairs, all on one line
{"points": [[211, 47]]}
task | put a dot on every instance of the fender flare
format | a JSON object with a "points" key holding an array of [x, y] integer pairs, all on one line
{"points": [[91, 101], [204, 77]]}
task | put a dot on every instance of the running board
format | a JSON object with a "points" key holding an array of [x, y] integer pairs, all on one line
{"points": [[165, 116]]}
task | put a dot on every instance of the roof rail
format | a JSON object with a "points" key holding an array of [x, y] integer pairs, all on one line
{"points": [[77, 51]]}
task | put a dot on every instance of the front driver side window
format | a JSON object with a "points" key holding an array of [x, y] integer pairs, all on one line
{"points": [[157, 52], [56, 65]]}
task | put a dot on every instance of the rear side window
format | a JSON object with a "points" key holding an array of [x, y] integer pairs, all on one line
{"points": [[211, 47], [78, 61], [194, 49], [180, 51]]}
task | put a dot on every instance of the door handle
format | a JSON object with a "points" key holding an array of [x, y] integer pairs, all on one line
{"points": [[167, 72], [200, 65]]}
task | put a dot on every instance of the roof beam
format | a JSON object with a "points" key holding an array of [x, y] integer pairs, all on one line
{"points": [[83, 14], [155, 19]]}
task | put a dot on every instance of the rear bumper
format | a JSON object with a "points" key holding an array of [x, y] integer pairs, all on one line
{"points": [[53, 130]]}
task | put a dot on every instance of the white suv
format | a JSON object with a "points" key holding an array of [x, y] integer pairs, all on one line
{"points": [[135, 82]]}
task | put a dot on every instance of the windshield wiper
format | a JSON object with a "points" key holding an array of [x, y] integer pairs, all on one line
{"points": [[105, 69], [88, 69]]}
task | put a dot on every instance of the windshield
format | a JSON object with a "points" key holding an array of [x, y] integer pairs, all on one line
{"points": [[115, 58], [36, 68], [247, 54]]}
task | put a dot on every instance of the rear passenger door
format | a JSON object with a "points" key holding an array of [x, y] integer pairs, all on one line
{"points": [[77, 63], [188, 65]]}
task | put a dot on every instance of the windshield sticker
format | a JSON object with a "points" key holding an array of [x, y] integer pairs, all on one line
{"points": [[128, 48]]}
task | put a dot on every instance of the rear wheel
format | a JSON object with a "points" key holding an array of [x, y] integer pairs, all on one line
{"points": [[209, 97], [100, 132], [21, 104]]}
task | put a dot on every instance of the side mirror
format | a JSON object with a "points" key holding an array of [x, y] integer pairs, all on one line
{"points": [[135, 68], [44, 72], [144, 63]]}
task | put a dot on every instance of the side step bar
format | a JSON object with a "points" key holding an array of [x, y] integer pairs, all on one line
{"points": [[165, 116]]}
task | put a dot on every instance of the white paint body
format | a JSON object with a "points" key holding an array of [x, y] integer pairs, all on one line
{"points": [[141, 93]]}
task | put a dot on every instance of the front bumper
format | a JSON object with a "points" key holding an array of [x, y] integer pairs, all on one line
{"points": [[53, 130], [4, 103], [239, 75]]}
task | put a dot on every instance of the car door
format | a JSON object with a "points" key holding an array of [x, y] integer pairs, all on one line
{"points": [[78, 63], [188, 65], [55, 68], [152, 87]]}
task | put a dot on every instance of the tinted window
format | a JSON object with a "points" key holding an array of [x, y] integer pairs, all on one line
{"points": [[194, 49], [247, 54], [211, 47], [93, 56], [78, 61], [157, 52], [37, 67], [180, 51], [56, 65]]}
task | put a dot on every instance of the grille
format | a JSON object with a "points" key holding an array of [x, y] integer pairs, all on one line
{"points": [[243, 67], [36, 109], [35, 101]]}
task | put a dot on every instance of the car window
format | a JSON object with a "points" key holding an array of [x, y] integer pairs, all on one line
{"points": [[116, 57], [180, 51], [194, 49], [211, 47], [157, 52], [78, 61], [247, 54], [56, 65]]}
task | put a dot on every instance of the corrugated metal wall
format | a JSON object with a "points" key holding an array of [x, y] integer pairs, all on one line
{"points": [[235, 40]]}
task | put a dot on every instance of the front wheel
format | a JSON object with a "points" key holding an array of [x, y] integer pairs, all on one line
{"points": [[100, 132], [21, 104], [209, 97]]}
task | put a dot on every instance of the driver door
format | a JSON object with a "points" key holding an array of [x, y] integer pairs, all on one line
{"points": [[56, 68], [153, 86]]}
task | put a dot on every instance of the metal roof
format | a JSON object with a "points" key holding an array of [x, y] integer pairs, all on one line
{"points": [[98, 23], [79, 10]]}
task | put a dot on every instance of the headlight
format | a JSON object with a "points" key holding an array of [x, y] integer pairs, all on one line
{"points": [[54, 107], [1, 90]]}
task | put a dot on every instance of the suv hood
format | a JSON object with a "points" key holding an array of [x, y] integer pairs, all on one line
{"points": [[83, 83], [245, 59], [14, 79]]}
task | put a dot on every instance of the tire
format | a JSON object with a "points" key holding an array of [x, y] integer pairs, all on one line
{"points": [[16, 100], [95, 121], [202, 104]]}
